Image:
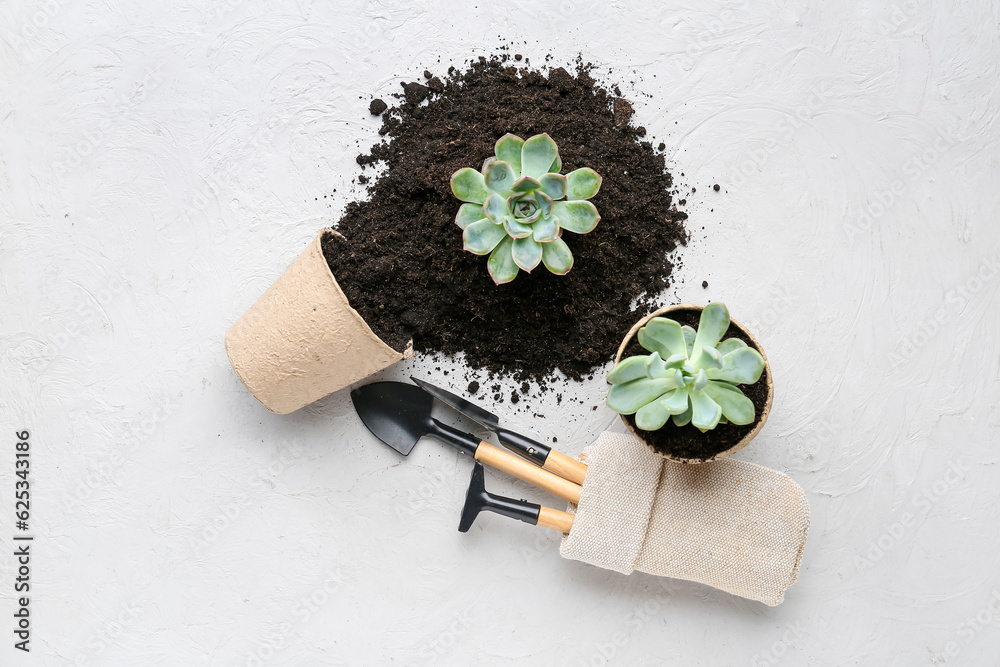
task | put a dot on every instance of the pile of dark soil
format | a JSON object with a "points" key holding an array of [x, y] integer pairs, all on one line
{"points": [[688, 442], [400, 261]]}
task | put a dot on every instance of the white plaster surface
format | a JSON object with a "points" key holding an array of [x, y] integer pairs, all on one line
{"points": [[161, 163]]}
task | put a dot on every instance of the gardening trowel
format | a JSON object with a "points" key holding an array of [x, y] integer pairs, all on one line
{"points": [[478, 499], [399, 415], [534, 451]]}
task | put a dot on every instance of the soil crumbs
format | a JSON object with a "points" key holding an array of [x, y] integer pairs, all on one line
{"points": [[399, 256]]}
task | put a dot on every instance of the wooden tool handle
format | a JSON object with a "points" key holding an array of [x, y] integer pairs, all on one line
{"points": [[564, 466], [550, 518], [529, 472]]}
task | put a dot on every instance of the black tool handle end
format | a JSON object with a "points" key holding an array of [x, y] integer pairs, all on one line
{"points": [[478, 499], [527, 447], [460, 440]]}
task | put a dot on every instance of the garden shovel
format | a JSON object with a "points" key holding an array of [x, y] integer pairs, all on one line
{"points": [[534, 451], [478, 499], [399, 415]]}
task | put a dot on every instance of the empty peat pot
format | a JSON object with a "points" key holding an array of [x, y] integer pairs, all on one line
{"points": [[686, 444], [302, 340]]}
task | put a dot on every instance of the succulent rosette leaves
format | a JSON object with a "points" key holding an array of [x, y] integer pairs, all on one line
{"points": [[689, 376], [518, 205]]}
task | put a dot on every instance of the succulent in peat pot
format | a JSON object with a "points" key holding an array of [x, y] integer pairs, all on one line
{"points": [[518, 205], [689, 376]]}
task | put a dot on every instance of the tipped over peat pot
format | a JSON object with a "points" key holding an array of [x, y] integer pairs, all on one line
{"points": [[302, 340], [686, 444]]}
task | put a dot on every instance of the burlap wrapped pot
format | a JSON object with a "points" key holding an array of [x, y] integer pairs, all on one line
{"points": [[301, 340]]}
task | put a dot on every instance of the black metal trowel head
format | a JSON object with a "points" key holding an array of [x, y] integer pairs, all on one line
{"points": [[397, 413]]}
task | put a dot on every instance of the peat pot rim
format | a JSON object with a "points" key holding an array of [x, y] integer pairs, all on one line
{"points": [[745, 440]]}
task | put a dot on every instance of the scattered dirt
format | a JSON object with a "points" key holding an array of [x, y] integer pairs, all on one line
{"points": [[414, 92], [401, 262], [377, 107], [687, 441], [623, 112]]}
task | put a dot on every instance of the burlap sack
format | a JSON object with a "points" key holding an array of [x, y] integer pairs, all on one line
{"points": [[301, 340], [733, 525]]}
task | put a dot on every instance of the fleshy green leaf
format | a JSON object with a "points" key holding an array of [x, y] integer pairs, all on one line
{"points": [[582, 183], [508, 149], [557, 257], [700, 381], [495, 208], [684, 418], [482, 237], [544, 203], [705, 413], [626, 370], [468, 214], [527, 253], [537, 155], [628, 397], [729, 345], [742, 366], [712, 325], [664, 336], [652, 416], [468, 185], [708, 357], [486, 164], [579, 217], [689, 335], [736, 407], [554, 185], [676, 401], [556, 165], [500, 177], [656, 367], [526, 184], [677, 360], [515, 229], [545, 230], [501, 264], [531, 218]]}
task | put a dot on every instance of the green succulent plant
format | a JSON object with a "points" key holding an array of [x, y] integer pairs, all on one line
{"points": [[518, 205], [689, 376]]}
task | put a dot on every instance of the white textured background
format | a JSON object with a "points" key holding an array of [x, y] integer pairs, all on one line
{"points": [[161, 165]]}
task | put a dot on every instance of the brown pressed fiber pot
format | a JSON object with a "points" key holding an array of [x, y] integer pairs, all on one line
{"points": [[302, 340]]}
